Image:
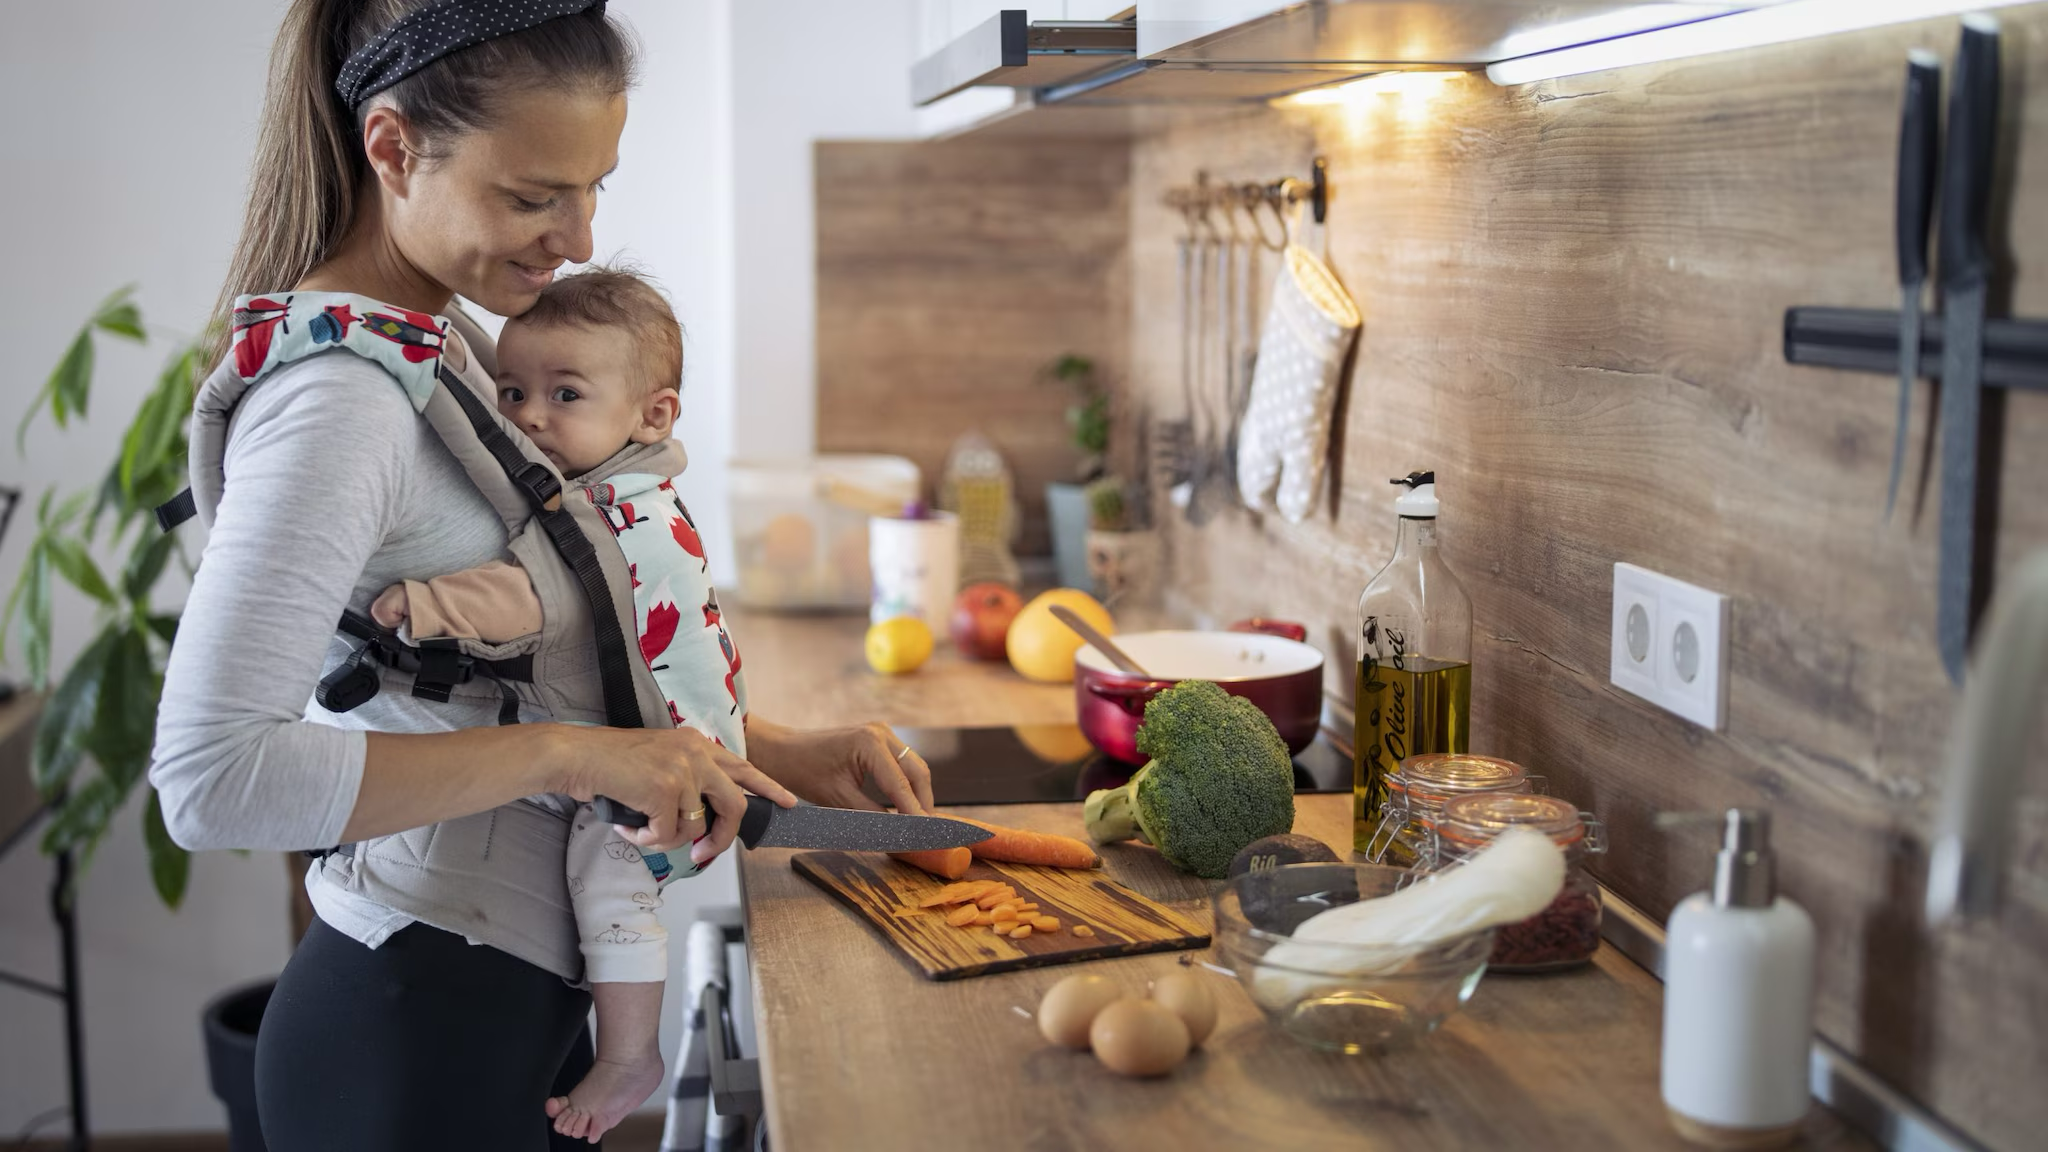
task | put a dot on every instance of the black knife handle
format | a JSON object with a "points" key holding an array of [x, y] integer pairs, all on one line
{"points": [[759, 812], [1919, 156], [1967, 159]]}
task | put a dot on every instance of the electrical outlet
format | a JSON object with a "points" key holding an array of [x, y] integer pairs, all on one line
{"points": [[1668, 644]]}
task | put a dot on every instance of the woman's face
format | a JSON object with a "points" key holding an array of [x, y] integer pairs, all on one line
{"points": [[496, 213]]}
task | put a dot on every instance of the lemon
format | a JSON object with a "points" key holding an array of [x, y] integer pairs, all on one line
{"points": [[1042, 648], [899, 645]]}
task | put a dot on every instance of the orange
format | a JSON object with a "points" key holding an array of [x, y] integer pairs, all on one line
{"points": [[1040, 647]]}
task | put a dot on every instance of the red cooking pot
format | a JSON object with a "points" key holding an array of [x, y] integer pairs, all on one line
{"points": [[1283, 677]]}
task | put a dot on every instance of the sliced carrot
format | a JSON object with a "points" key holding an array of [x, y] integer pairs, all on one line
{"points": [[1021, 847], [1004, 914], [1046, 924], [962, 915], [1083, 930], [952, 863], [1027, 907], [1022, 932], [985, 918], [994, 898], [961, 893]]}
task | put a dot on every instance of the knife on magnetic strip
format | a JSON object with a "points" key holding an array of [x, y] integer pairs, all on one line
{"points": [[1965, 271], [1919, 152]]}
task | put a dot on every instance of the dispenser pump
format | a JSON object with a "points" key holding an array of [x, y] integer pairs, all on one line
{"points": [[1419, 502], [1746, 870]]}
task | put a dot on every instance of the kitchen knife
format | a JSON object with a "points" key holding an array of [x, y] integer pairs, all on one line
{"points": [[1918, 154], [1965, 270], [768, 825]]}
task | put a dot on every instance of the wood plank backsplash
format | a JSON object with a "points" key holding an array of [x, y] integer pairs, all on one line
{"points": [[949, 275], [1573, 294]]}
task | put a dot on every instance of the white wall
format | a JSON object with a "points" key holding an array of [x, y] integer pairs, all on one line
{"points": [[128, 152], [126, 158], [802, 70]]}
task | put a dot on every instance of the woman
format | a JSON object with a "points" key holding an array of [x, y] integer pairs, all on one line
{"points": [[411, 151]]}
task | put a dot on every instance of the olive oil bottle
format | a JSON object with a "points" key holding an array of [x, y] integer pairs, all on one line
{"points": [[1414, 658]]}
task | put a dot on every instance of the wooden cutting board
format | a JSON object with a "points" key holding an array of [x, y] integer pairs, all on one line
{"points": [[886, 895]]}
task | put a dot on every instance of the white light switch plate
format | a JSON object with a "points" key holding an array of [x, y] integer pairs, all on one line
{"points": [[1668, 644]]}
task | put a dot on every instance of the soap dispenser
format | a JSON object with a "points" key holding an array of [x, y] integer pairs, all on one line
{"points": [[1738, 1000], [1414, 637]]}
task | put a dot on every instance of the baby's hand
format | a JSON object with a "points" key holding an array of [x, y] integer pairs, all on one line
{"points": [[389, 609]]}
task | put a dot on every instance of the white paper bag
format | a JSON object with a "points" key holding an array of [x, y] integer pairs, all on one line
{"points": [[1284, 444]]}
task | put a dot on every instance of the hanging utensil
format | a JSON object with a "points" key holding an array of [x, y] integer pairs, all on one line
{"points": [[1174, 437], [1965, 270], [1919, 151], [1209, 493], [1195, 378]]}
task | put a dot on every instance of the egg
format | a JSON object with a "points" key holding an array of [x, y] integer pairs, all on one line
{"points": [[1071, 1006], [1139, 1038], [1188, 996]]}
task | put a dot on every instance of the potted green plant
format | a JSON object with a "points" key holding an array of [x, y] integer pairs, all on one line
{"points": [[1067, 503], [1123, 556], [92, 743]]}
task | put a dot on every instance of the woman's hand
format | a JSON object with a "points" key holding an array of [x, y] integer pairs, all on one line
{"points": [[827, 766], [687, 784]]}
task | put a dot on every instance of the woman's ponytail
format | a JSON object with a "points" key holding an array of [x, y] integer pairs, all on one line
{"points": [[308, 165]]}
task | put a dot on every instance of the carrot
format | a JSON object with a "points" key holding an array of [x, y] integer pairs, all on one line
{"points": [[1018, 846], [991, 899], [964, 892], [952, 863]]}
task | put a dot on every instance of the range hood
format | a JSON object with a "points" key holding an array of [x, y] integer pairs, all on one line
{"points": [[1197, 53], [1009, 51], [1398, 34]]}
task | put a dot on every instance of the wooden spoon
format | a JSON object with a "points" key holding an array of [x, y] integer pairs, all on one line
{"points": [[1086, 631]]}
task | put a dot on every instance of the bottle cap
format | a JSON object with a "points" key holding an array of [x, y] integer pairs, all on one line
{"points": [[1419, 502], [1746, 871]]}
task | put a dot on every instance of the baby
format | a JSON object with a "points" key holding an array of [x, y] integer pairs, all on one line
{"points": [[594, 369]]}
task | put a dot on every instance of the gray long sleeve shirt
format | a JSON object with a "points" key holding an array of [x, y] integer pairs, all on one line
{"points": [[336, 490]]}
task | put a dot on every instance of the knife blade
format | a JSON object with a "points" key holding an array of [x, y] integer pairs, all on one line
{"points": [[768, 825], [1919, 152], [1965, 271]]}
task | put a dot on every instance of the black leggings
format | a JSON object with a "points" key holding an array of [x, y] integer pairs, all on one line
{"points": [[427, 1042]]}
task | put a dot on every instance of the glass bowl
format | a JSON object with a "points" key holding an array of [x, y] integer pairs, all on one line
{"points": [[1341, 997]]}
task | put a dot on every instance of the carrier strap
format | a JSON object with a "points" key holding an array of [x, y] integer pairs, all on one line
{"points": [[176, 510], [544, 493]]}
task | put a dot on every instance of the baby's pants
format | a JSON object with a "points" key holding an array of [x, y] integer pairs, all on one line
{"points": [[616, 890]]}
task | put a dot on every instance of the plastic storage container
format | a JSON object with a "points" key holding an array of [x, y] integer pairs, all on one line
{"points": [[800, 527], [1567, 932], [1417, 791]]}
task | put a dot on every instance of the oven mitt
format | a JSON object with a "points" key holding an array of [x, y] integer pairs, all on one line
{"points": [[1284, 444]]}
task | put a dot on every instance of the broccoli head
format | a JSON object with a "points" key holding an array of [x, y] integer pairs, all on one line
{"points": [[1219, 778]]}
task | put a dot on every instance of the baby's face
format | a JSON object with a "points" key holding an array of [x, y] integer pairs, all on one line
{"points": [[576, 393]]}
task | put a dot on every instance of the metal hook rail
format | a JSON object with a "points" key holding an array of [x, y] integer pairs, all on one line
{"points": [[1196, 201]]}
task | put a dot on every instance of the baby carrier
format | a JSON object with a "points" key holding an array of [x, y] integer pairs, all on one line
{"points": [[584, 664]]}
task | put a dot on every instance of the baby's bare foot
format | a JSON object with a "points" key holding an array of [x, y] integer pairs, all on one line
{"points": [[607, 1093]]}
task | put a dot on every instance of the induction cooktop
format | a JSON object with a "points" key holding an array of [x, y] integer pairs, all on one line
{"points": [[1046, 764]]}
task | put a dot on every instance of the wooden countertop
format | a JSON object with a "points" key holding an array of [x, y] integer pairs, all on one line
{"points": [[858, 1051]]}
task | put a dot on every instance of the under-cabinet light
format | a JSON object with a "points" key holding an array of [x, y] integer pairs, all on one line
{"points": [[1406, 86], [1794, 20]]}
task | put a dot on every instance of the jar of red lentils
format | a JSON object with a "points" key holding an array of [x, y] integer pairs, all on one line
{"points": [[1417, 791], [1567, 932]]}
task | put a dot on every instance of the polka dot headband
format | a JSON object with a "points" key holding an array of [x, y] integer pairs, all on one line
{"points": [[427, 34]]}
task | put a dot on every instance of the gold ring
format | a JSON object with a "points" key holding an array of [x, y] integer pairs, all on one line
{"points": [[696, 815], [905, 752]]}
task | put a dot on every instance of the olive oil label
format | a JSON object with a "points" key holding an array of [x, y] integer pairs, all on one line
{"points": [[1408, 704]]}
